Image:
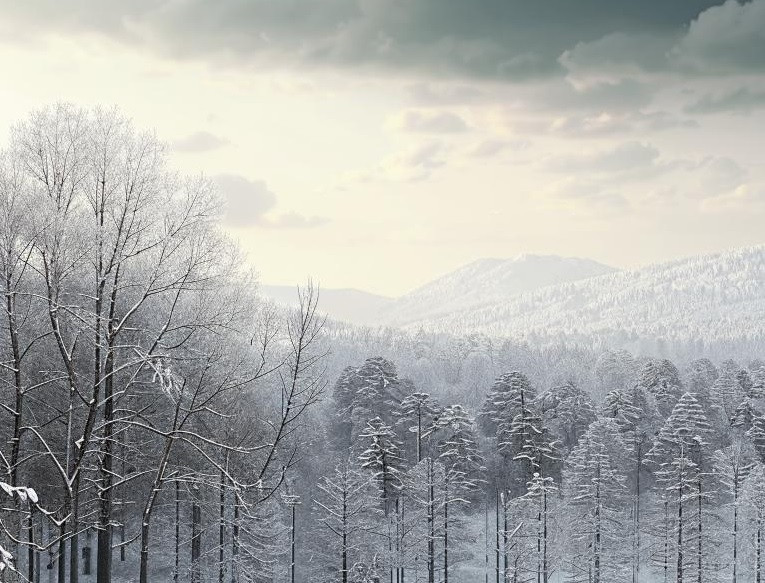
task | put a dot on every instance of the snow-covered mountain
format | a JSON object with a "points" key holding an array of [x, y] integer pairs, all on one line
{"points": [[487, 282], [712, 298], [708, 299]]}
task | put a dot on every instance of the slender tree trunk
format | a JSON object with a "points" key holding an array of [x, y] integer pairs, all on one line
{"points": [[701, 523], [446, 537], [545, 569], [292, 561], [104, 567], [196, 542], [680, 535], [666, 541], [759, 549], [497, 538], [222, 526], [235, 540], [177, 566], [62, 553], [504, 537], [431, 522], [636, 549], [735, 526], [31, 554]]}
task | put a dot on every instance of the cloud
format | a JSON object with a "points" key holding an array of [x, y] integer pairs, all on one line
{"points": [[629, 157], [491, 147], [617, 55], [434, 122], [724, 39], [720, 39], [414, 163], [741, 100], [491, 39], [249, 202], [585, 196], [748, 197], [201, 141]]}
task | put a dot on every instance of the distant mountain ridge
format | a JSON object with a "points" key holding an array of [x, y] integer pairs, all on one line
{"points": [[347, 305], [478, 284], [487, 281], [709, 298]]}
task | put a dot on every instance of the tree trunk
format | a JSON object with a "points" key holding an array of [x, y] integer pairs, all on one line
{"points": [[735, 527], [222, 526], [700, 545], [680, 535], [196, 542], [62, 553], [104, 567], [31, 554], [235, 540], [497, 539], [177, 566], [446, 538], [431, 527]]}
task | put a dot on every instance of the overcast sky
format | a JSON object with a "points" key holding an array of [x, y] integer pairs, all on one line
{"points": [[377, 144]]}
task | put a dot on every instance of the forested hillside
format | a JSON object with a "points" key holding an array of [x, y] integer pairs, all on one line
{"points": [[713, 299]]}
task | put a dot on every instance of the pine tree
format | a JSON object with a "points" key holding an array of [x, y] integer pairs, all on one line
{"points": [[757, 434], [637, 417], [595, 487], [732, 465], [682, 437], [567, 411], [463, 466], [540, 495], [417, 413], [753, 497], [347, 503], [382, 458], [508, 395]]}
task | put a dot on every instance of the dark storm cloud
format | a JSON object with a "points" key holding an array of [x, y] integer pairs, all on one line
{"points": [[496, 39]]}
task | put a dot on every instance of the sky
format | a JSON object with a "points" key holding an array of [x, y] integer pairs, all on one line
{"points": [[377, 144]]}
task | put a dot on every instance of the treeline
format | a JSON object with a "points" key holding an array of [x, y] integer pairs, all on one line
{"points": [[150, 400], [661, 479]]}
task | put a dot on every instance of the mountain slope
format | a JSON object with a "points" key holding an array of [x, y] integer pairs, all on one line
{"points": [[486, 282], [710, 298]]}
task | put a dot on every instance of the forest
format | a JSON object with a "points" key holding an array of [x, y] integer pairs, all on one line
{"points": [[163, 422]]}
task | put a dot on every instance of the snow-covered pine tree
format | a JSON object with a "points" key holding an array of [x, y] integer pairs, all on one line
{"points": [[662, 380], [509, 393], [424, 486], [678, 454], [567, 411], [732, 465], [757, 434], [541, 496], [635, 413], [753, 497], [382, 458], [347, 503], [416, 414], [463, 468], [595, 487], [525, 440]]}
